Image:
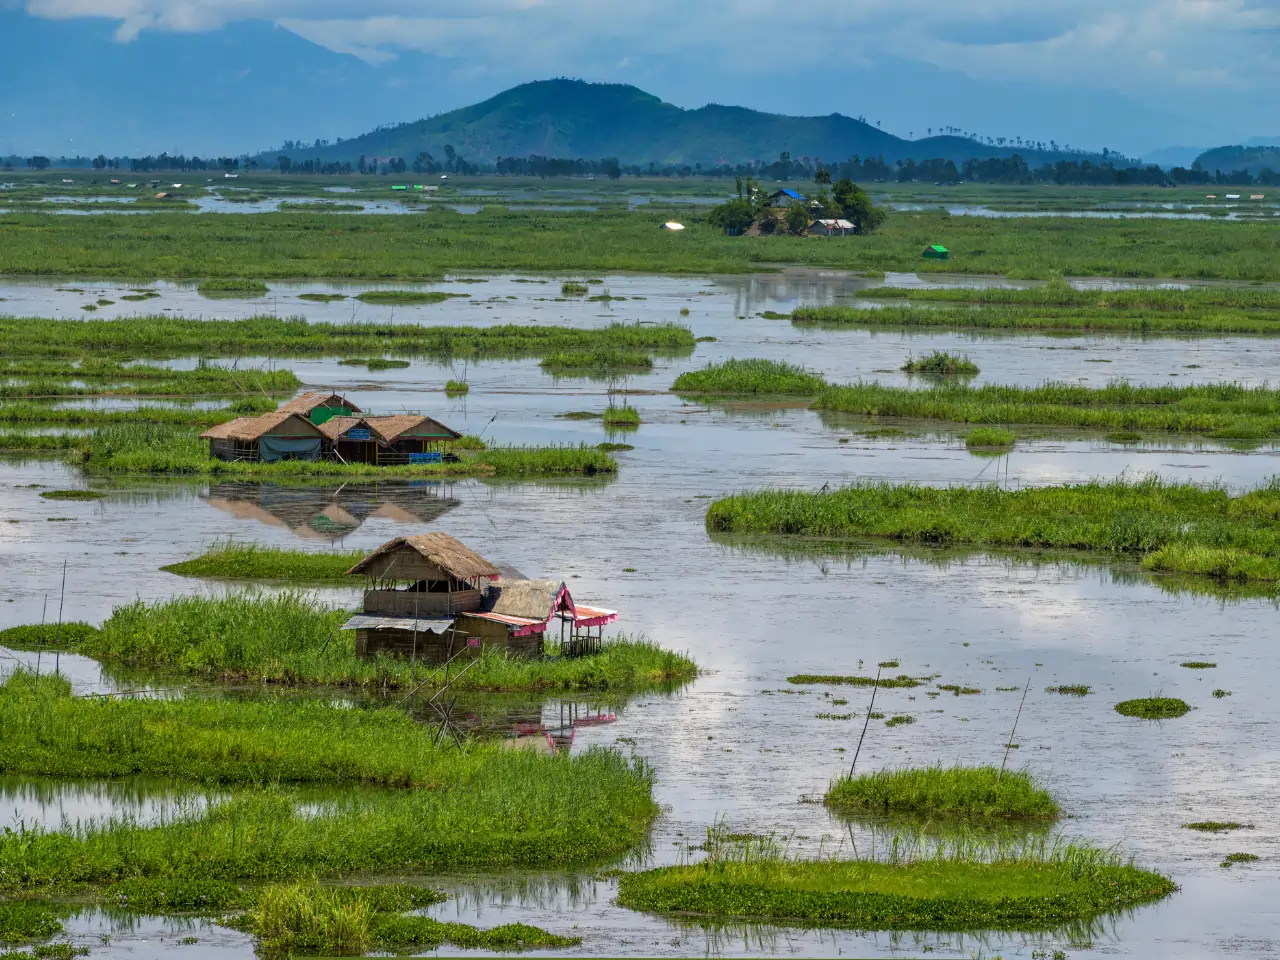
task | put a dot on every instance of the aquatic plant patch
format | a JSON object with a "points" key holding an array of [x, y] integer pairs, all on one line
{"points": [[1197, 664], [1153, 708], [37, 636], [1203, 409], [249, 561], [1231, 859], [624, 416], [989, 437], [1070, 689], [167, 336], [940, 363], [72, 494], [977, 792], [232, 287], [751, 377], [406, 297], [1147, 520], [1016, 893], [24, 922], [598, 362], [902, 680], [1214, 826]]}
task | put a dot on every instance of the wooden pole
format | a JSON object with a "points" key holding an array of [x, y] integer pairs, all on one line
{"points": [[1009, 745], [867, 722], [57, 645]]}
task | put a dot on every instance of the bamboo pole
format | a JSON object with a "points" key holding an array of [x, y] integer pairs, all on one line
{"points": [[867, 722]]}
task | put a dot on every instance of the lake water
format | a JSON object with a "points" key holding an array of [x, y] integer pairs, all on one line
{"points": [[741, 743]]}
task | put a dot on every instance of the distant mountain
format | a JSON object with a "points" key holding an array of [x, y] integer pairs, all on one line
{"points": [[573, 118], [1229, 159]]}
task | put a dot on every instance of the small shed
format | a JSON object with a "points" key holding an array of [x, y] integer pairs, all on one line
{"points": [[417, 586], [279, 435], [319, 407], [412, 438], [523, 611], [936, 252], [785, 198], [832, 228]]}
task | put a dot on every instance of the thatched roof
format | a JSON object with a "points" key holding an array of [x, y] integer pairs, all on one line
{"points": [[439, 549], [390, 428], [335, 427], [254, 428], [532, 599], [307, 402]]}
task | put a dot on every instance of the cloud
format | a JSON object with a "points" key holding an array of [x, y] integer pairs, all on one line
{"points": [[1136, 46]]}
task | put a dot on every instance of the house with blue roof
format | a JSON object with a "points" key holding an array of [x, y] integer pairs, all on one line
{"points": [[785, 198]]}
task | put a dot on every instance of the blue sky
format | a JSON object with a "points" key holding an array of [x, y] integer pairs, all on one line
{"points": [[1211, 63]]}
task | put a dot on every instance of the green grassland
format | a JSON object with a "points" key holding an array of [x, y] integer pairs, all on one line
{"points": [[376, 247]]}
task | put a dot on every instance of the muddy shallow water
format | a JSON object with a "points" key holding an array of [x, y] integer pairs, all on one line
{"points": [[741, 743]]}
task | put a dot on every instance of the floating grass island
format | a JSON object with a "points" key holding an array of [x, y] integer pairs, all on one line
{"points": [[990, 438], [483, 807], [751, 378], [1182, 528], [1153, 708], [290, 639], [249, 561], [978, 792], [940, 363], [1027, 887]]}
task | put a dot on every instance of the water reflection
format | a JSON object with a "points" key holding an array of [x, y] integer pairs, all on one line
{"points": [[328, 513]]}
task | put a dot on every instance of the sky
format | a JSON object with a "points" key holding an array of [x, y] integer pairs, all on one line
{"points": [[1208, 62]]}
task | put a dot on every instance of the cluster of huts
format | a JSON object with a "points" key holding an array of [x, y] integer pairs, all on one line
{"points": [[431, 598], [327, 426]]}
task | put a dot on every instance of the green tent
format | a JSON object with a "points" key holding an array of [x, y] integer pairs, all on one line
{"points": [[937, 252]]}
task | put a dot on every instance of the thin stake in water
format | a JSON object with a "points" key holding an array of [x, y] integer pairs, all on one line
{"points": [[57, 644], [1009, 744], [874, 688]]}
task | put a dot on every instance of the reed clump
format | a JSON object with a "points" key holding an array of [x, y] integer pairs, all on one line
{"points": [[1162, 524], [292, 639], [940, 363], [1153, 708], [990, 437], [40, 636], [751, 377], [232, 560], [962, 884], [596, 362], [457, 388], [624, 416], [944, 791]]}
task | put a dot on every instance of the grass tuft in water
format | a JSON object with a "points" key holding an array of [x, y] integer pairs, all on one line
{"points": [[72, 494], [990, 437], [230, 287], [1231, 859], [596, 362], [1070, 689], [374, 363], [1153, 708], [405, 298], [902, 680], [624, 416], [751, 377], [944, 791], [1214, 826], [1198, 664], [1220, 693], [457, 388], [939, 363]]}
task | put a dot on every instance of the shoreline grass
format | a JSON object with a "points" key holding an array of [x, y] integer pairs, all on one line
{"points": [[1147, 520], [167, 336], [250, 561], [162, 449], [963, 885], [751, 377], [978, 792], [290, 639]]}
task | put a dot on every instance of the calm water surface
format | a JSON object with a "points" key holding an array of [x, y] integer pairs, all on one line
{"points": [[741, 743]]}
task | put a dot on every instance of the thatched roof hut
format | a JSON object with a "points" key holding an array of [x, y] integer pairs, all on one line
{"points": [[427, 556], [319, 407], [279, 435]]}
